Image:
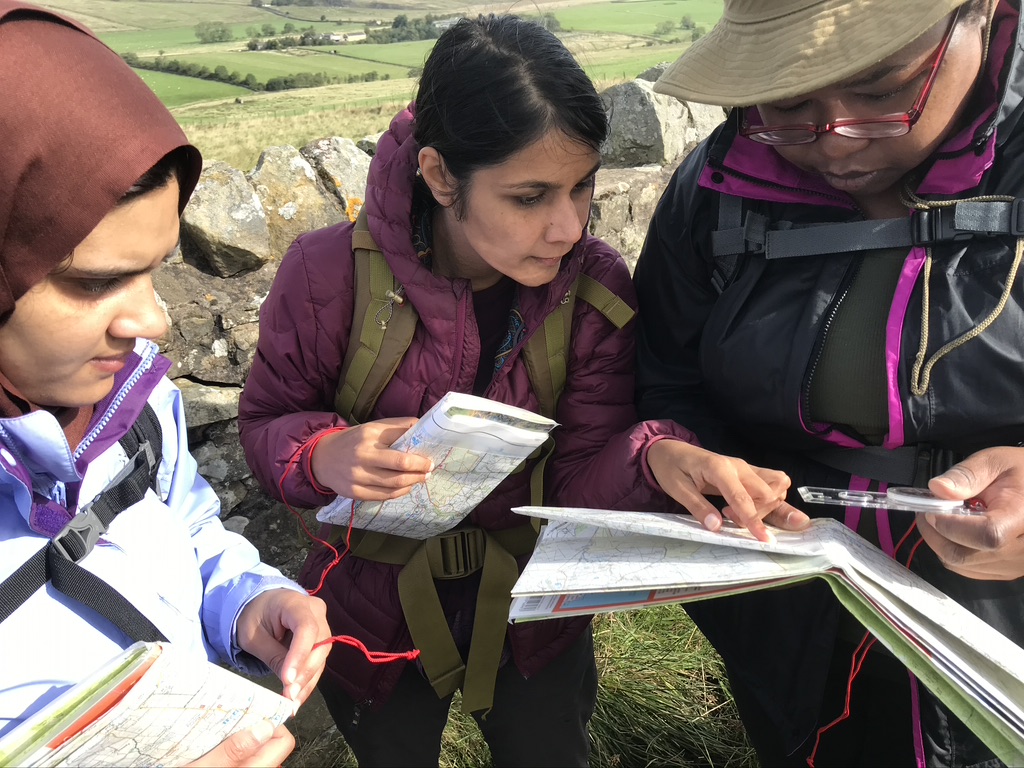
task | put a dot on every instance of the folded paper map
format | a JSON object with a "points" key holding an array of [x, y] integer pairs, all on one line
{"points": [[475, 443], [589, 561], [151, 705]]}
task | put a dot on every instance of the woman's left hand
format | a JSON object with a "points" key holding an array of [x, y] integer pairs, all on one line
{"points": [[981, 547], [280, 627]]}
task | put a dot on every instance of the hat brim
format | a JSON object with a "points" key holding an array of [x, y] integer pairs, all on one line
{"points": [[743, 64]]}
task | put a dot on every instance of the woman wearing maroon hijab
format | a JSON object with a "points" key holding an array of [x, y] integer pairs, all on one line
{"points": [[94, 173]]}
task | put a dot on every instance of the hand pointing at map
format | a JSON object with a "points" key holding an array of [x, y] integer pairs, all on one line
{"points": [[752, 494]]}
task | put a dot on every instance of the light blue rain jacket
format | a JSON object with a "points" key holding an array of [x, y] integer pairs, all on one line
{"points": [[169, 554]]}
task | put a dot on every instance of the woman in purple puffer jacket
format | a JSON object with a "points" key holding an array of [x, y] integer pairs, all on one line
{"points": [[479, 198]]}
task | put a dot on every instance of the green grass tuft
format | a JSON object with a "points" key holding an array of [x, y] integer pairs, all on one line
{"points": [[661, 702]]}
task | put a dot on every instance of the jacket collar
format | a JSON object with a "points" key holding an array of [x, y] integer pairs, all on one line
{"points": [[35, 455], [738, 166]]}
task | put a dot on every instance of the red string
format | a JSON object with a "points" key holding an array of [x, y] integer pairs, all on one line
{"points": [[312, 443], [856, 664], [860, 654], [374, 657], [295, 458], [903, 540]]}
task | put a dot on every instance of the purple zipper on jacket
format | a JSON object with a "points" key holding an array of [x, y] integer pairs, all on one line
{"points": [[123, 405]]}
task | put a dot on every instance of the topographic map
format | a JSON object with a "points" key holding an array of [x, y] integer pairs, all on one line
{"points": [[175, 708], [590, 561], [474, 444]]}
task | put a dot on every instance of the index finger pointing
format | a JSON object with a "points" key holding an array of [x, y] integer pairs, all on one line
{"points": [[741, 510]]}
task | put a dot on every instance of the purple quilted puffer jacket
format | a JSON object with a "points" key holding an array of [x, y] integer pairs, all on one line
{"points": [[289, 395]]}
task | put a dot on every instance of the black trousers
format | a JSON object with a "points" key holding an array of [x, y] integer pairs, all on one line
{"points": [[538, 721], [879, 731]]}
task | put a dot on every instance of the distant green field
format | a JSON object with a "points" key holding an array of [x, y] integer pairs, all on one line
{"points": [[175, 90], [113, 15], [613, 39], [267, 64], [616, 66], [406, 55], [637, 17], [173, 39]]}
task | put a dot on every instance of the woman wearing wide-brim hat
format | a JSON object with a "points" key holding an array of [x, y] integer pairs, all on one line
{"points": [[831, 286]]}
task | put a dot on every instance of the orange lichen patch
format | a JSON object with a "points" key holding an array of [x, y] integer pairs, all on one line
{"points": [[353, 207]]}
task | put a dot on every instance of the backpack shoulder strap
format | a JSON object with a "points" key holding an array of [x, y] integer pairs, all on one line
{"points": [[742, 231], [601, 298], [383, 324], [739, 232], [546, 354], [57, 562]]}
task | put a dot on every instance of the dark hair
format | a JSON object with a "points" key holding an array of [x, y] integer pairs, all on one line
{"points": [[173, 165], [494, 85]]}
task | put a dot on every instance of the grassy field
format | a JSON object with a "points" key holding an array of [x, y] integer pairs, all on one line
{"points": [[268, 64], [607, 67], [409, 55], [613, 39], [661, 703], [176, 90], [175, 40], [237, 133], [157, 16], [637, 17]]}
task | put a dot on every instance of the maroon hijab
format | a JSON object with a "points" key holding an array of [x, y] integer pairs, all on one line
{"points": [[77, 129]]}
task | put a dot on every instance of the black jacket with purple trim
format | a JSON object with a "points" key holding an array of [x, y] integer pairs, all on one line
{"points": [[731, 353]]}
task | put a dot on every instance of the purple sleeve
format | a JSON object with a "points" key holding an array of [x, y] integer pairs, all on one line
{"points": [[600, 448], [289, 393]]}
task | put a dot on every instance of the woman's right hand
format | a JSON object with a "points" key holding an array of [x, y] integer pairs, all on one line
{"points": [[753, 495], [358, 462]]}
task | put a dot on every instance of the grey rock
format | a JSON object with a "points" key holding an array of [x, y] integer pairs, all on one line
{"points": [[369, 143], [703, 119], [213, 336], [647, 127], [226, 222], [651, 75], [207, 405], [644, 127], [342, 168], [293, 197], [237, 524], [624, 201]]}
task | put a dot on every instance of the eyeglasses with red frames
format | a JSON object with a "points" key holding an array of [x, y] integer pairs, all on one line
{"points": [[885, 127]]}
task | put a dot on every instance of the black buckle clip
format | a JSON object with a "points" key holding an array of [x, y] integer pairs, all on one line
{"points": [[1017, 217], [927, 227], [755, 233], [931, 461]]}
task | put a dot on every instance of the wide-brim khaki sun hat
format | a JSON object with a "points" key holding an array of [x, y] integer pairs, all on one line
{"points": [[766, 50]]}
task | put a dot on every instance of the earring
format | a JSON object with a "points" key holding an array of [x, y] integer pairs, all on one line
{"points": [[419, 173]]}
